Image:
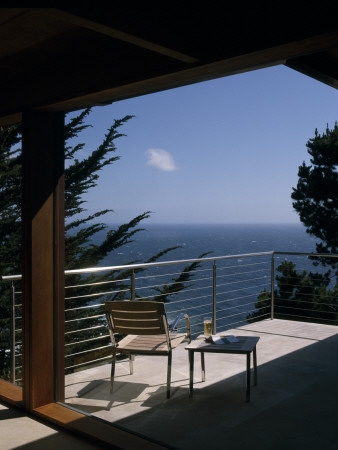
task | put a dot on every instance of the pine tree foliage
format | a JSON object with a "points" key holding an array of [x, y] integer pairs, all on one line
{"points": [[316, 195], [10, 198], [10, 230], [300, 295], [80, 177], [303, 295], [177, 284], [83, 323], [86, 333]]}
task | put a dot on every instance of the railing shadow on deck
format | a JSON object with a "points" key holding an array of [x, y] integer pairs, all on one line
{"points": [[294, 404]]}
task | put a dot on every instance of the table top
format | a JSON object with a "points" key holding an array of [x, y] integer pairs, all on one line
{"points": [[245, 345]]}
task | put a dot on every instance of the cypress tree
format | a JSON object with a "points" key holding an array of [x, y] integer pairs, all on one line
{"points": [[10, 232], [311, 295], [85, 324], [316, 195]]}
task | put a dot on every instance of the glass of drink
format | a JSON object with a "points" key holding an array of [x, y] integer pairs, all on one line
{"points": [[207, 327]]}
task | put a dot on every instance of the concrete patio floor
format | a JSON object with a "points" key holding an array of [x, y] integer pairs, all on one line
{"points": [[294, 405], [21, 431]]}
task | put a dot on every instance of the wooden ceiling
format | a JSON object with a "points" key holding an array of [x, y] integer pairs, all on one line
{"points": [[65, 59]]}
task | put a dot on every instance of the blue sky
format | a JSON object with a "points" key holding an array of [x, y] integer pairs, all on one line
{"points": [[222, 151]]}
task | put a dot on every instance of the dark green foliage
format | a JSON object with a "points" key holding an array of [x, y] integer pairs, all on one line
{"points": [[176, 285], [83, 323], [84, 294], [316, 195], [80, 176], [10, 230], [10, 199], [312, 296], [300, 295], [263, 307]]}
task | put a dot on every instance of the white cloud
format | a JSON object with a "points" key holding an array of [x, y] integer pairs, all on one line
{"points": [[160, 159]]}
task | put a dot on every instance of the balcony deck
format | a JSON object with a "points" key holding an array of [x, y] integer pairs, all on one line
{"points": [[294, 405]]}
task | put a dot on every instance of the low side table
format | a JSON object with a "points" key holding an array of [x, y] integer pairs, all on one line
{"points": [[245, 346]]}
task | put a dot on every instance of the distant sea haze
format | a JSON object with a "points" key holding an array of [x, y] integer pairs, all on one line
{"points": [[220, 240]]}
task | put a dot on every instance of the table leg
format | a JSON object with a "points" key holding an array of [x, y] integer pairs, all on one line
{"points": [[203, 366], [255, 365], [248, 377], [191, 365]]}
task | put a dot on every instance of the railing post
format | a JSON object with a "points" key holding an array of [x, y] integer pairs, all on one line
{"points": [[12, 333], [272, 286], [132, 286], [214, 300]]}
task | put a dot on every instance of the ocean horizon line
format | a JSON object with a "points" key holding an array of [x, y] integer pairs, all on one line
{"points": [[212, 224]]}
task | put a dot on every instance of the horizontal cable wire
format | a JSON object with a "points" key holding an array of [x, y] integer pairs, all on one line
{"points": [[88, 362], [312, 294], [229, 269], [169, 274], [241, 281], [241, 273], [232, 307], [240, 265], [175, 292], [185, 290], [185, 309], [85, 307], [96, 295], [306, 317], [241, 321], [305, 309], [303, 301], [188, 299], [85, 329], [241, 289], [242, 312], [88, 351], [88, 340], [84, 318], [97, 283]]}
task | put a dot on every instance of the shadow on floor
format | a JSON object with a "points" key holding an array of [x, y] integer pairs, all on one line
{"points": [[293, 407]]}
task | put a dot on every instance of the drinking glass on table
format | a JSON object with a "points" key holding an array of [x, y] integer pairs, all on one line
{"points": [[207, 327]]}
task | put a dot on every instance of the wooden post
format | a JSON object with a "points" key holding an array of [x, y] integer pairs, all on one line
{"points": [[43, 256]]}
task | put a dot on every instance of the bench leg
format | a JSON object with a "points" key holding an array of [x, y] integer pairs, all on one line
{"points": [[131, 367], [169, 375], [112, 373]]}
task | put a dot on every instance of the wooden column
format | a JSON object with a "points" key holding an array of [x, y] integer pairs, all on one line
{"points": [[43, 257]]}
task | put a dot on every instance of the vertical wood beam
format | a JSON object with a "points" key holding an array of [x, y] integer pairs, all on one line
{"points": [[43, 256]]}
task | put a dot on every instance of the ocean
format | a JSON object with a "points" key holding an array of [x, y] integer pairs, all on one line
{"points": [[219, 240], [239, 280]]}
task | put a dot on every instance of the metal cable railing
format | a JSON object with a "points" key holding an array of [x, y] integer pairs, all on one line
{"points": [[233, 290]]}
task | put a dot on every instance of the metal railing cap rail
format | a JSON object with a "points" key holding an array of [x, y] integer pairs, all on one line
{"points": [[317, 255], [171, 263], [11, 277], [146, 265]]}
